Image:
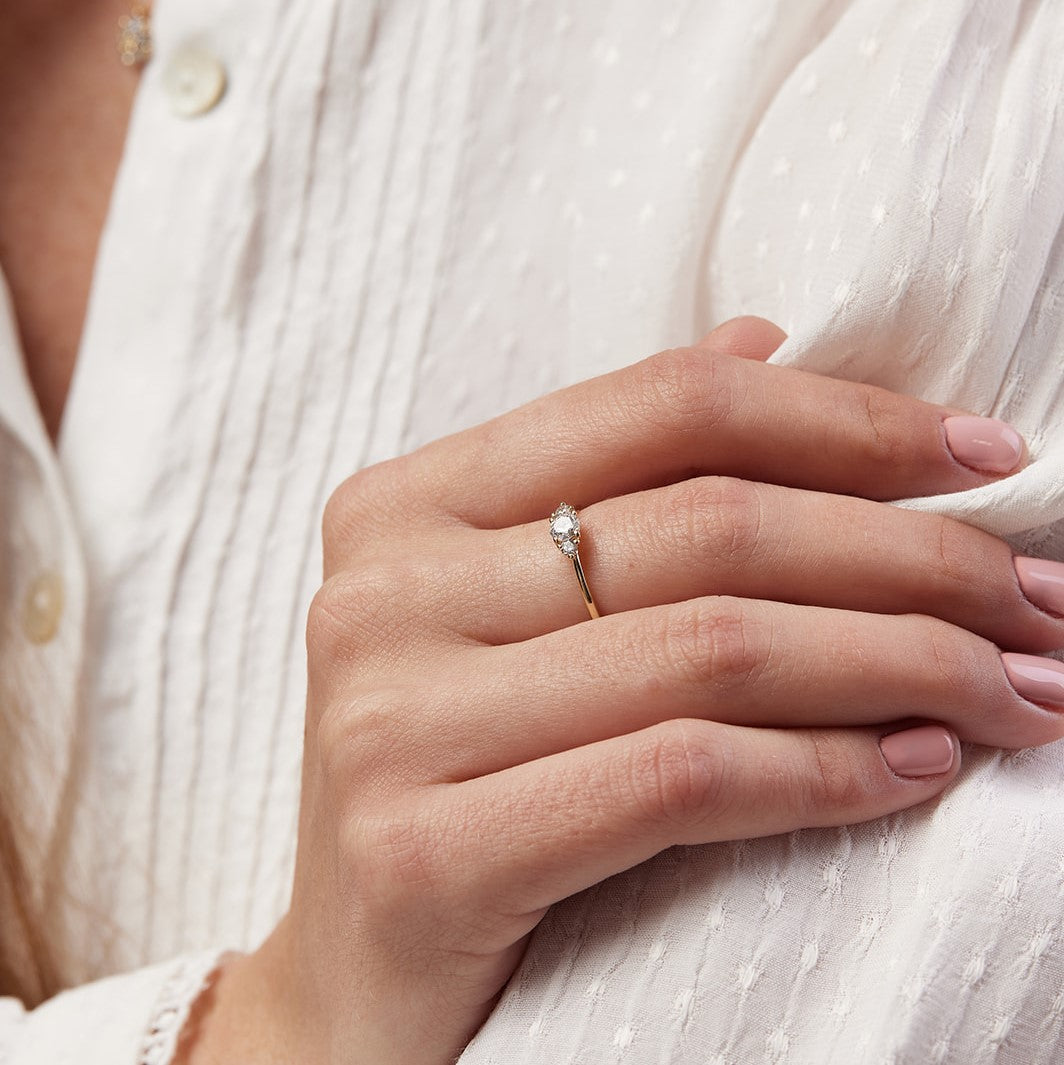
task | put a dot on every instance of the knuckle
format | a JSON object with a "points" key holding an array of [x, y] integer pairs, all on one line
{"points": [[953, 555], [404, 886], [393, 861], [887, 428], [402, 848], [359, 736], [678, 775], [833, 780], [958, 552], [349, 500], [352, 612], [714, 641], [710, 518], [952, 659], [335, 748], [727, 517], [361, 504], [327, 619], [688, 388], [332, 735]]}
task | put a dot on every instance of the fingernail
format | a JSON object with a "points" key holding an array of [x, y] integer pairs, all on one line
{"points": [[1042, 582], [918, 752], [1039, 679], [985, 444]]}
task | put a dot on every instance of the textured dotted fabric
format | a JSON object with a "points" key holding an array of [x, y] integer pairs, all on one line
{"points": [[404, 218]]}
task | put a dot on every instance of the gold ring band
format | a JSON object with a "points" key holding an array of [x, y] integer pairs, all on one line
{"points": [[565, 532]]}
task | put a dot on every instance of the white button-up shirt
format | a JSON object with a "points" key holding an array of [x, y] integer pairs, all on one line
{"points": [[341, 229]]}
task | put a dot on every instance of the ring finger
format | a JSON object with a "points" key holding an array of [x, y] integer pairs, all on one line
{"points": [[725, 536]]}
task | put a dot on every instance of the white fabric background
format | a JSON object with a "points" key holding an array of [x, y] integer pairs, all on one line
{"points": [[407, 217]]}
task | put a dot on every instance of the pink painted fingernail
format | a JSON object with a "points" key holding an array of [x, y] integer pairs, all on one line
{"points": [[1042, 582], [985, 444], [1039, 679], [918, 752]]}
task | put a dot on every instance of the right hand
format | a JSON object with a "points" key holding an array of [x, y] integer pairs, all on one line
{"points": [[477, 750]]}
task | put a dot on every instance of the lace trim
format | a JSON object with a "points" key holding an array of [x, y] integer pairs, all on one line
{"points": [[176, 997]]}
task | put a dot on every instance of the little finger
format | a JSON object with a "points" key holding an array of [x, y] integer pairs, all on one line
{"points": [[523, 839], [737, 661]]}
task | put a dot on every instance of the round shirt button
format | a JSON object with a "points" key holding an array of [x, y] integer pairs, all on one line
{"points": [[42, 607], [194, 80]]}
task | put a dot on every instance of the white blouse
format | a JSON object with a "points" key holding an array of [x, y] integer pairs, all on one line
{"points": [[402, 218]]}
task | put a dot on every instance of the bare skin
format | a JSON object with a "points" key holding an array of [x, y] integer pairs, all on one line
{"points": [[748, 662], [65, 101], [674, 703]]}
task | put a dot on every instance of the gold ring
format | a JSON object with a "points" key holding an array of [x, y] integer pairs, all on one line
{"points": [[565, 532]]}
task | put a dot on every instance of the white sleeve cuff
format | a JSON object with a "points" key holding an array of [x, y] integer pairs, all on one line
{"points": [[133, 1018]]}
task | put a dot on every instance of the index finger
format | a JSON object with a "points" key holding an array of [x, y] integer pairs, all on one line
{"points": [[694, 411]]}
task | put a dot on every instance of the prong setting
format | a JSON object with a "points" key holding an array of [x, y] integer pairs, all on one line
{"points": [[565, 532], [565, 529]]}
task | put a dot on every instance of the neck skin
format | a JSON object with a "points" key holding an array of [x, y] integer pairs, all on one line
{"points": [[65, 100]]}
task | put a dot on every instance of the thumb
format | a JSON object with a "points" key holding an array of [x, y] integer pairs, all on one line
{"points": [[747, 337]]}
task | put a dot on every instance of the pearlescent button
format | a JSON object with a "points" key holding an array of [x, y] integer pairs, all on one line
{"points": [[42, 607], [194, 80]]}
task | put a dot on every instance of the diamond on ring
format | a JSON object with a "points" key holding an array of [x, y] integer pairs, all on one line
{"points": [[565, 532], [565, 529]]}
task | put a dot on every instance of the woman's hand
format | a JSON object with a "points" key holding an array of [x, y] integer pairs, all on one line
{"points": [[477, 749]]}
